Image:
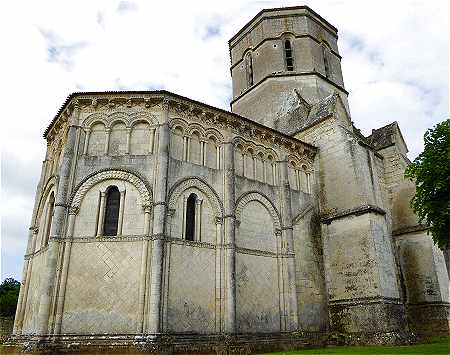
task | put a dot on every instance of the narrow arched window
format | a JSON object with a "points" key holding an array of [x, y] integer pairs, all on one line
{"points": [[111, 211], [326, 63], [50, 208], [288, 56], [190, 217], [249, 69]]}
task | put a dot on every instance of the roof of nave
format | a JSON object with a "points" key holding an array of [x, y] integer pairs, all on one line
{"points": [[302, 115], [164, 94], [384, 137]]}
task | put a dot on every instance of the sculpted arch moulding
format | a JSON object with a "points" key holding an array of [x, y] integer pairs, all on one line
{"points": [[264, 200], [132, 177], [183, 185], [129, 119], [256, 148], [50, 185], [189, 128]]}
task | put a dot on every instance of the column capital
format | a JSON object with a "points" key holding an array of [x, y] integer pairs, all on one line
{"points": [[74, 210], [165, 103], [198, 201], [147, 208], [73, 119]]}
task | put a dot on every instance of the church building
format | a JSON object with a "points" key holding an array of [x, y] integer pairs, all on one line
{"points": [[161, 222]]}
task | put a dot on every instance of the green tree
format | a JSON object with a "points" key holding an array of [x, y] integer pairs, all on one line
{"points": [[9, 293], [431, 173]]}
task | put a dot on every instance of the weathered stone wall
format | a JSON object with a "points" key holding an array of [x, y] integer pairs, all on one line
{"points": [[358, 259], [257, 294], [426, 283], [30, 322], [102, 288], [256, 271], [360, 269], [191, 292], [310, 274], [424, 276], [398, 189], [338, 166]]}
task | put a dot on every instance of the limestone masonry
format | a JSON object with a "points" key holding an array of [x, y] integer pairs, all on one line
{"points": [[164, 223]]}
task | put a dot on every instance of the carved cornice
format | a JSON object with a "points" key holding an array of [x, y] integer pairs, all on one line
{"points": [[129, 118], [364, 300], [192, 243], [309, 208], [409, 229], [327, 218], [36, 253], [183, 105], [95, 239]]}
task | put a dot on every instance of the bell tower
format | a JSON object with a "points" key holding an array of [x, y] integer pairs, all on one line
{"points": [[280, 54]]}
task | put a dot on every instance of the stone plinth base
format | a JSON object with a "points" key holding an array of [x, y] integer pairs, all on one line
{"points": [[429, 319], [165, 343], [371, 321]]}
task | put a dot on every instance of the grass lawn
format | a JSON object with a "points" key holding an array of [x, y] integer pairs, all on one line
{"points": [[437, 346]]}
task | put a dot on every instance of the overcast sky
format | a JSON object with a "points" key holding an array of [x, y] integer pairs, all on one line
{"points": [[395, 66]]}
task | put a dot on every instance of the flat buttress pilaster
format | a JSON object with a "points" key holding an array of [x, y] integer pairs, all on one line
{"points": [[230, 244], [159, 218], [288, 260], [57, 227]]}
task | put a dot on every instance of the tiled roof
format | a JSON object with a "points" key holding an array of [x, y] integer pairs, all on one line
{"points": [[383, 137], [302, 115]]}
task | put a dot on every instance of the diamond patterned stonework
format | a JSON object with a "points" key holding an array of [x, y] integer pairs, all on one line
{"points": [[271, 226], [102, 288]]}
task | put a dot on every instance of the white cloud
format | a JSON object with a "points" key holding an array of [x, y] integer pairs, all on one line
{"points": [[395, 63]]}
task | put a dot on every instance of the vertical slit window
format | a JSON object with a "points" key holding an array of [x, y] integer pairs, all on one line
{"points": [[249, 69], [48, 227], [111, 211], [289, 58], [190, 217], [326, 64]]}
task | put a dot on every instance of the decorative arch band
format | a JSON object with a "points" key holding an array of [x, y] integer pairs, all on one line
{"points": [[129, 119], [106, 174], [183, 185], [257, 196]]}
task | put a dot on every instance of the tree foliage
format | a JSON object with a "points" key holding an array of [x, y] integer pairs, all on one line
{"points": [[431, 173], [9, 293]]}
